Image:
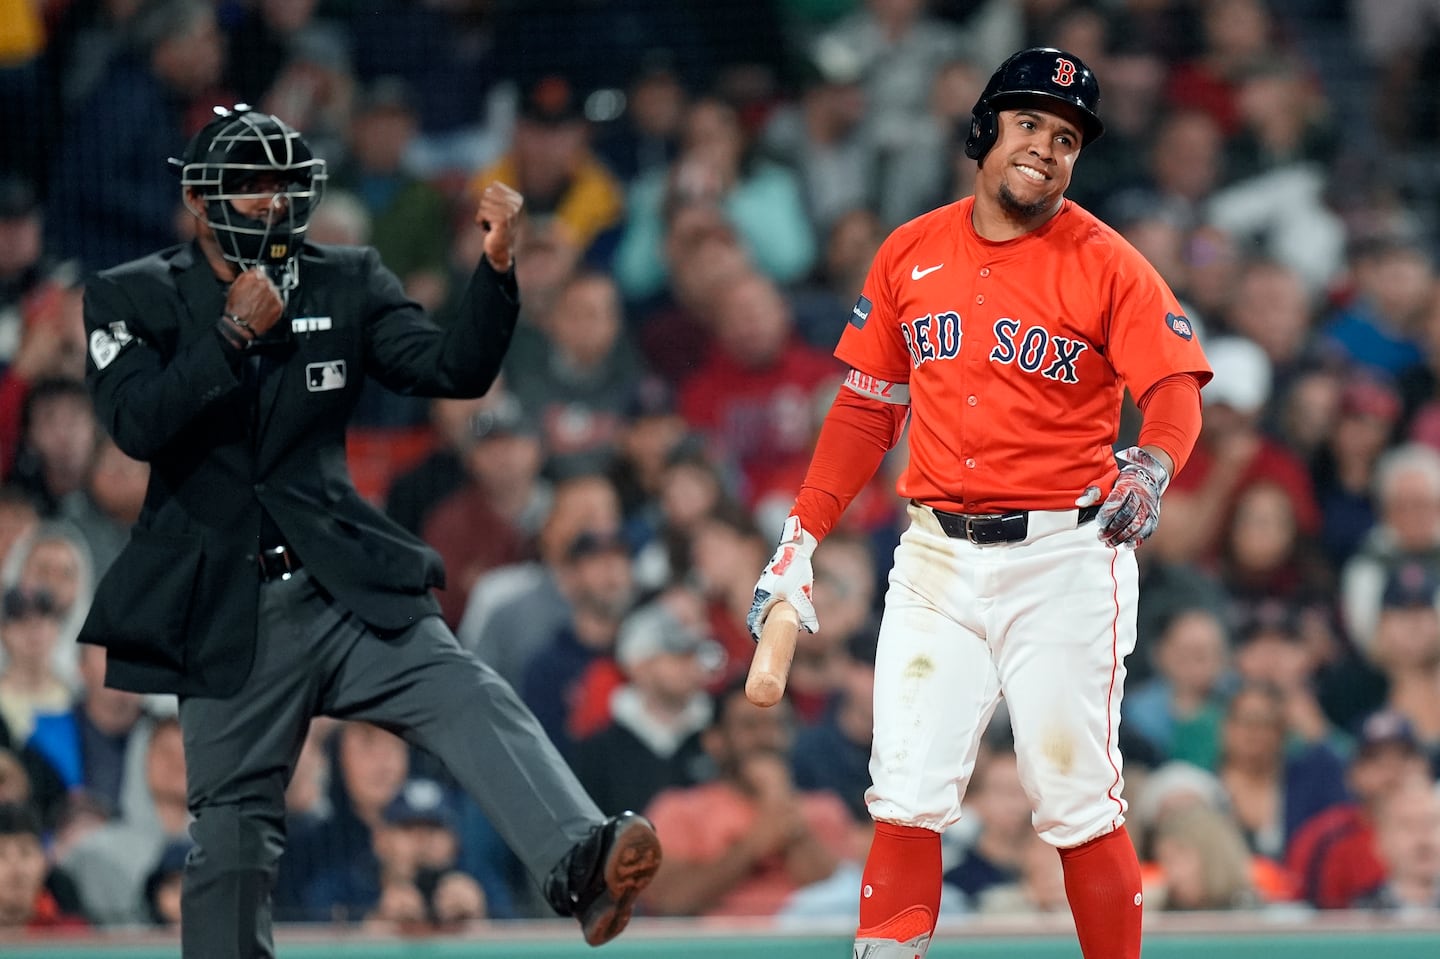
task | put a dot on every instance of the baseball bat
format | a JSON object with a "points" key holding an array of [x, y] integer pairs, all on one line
{"points": [[771, 666]]}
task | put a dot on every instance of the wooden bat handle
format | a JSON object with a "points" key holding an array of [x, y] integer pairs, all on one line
{"points": [[771, 666]]}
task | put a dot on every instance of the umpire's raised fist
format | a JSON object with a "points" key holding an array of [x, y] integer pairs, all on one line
{"points": [[499, 216]]}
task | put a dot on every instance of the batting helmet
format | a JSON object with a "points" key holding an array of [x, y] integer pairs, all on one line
{"points": [[224, 161], [1037, 73]]}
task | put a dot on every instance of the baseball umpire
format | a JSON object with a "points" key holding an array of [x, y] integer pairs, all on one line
{"points": [[1009, 324], [257, 584]]}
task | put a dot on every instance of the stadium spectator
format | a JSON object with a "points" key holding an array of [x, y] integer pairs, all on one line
{"points": [[1179, 711], [568, 682], [653, 739], [1264, 557], [514, 610], [717, 166], [995, 854], [502, 494], [264, 40], [58, 440], [898, 47], [1407, 495], [410, 218], [822, 305], [103, 512], [324, 874], [32, 287], [25, 903], [762, 839], [721, 544], [1278, 646], [1134, 73], [1368, 410], [1273, 309], [14, 781], [1203, 863], [834, 753], [1166, 590], [51, 348], [689, 489], [54, 561], [1275, 168], [821, 136], [645, 138], [552, 164], [1380, 326], [578, 378], [30, 685], [1038, 887], [1184, 166], [98, 745], [1231, 456], [416, 847], [1238, 35], [111, 863], [704, 256], [652, 431], [845, 579], [1407, 836], [1334, 857], [1406, 650], [1272, 791], [754, 397], [163, 885], [19, 519], [137, 112], [416, 491]]}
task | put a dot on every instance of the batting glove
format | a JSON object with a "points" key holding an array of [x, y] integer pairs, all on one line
{"points": [[788, 576], [1132, 512]]}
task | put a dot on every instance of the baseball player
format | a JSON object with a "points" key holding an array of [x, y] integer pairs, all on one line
{"points": [[1010, 322]]}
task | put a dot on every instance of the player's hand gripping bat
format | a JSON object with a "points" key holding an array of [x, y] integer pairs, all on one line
{"points": [[771, 666]]}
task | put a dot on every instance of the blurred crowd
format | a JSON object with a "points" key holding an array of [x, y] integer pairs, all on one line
{"points": [[705, 184]]}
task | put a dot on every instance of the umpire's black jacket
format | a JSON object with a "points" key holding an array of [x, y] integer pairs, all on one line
{"points": [[177, 610]]}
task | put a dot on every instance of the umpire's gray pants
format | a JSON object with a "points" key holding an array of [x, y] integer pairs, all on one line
{"points": [[314, 658]]}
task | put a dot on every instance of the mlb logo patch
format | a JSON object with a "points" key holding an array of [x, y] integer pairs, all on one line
{"points": [[320, 377], [860, 313], [1180, 326]]}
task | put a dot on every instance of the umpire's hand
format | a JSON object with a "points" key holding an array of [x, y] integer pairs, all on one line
{"points": [[499, 216], [254, 303]]}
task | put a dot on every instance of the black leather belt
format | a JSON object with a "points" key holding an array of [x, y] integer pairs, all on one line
{"points": [[277, 562], [984, 530]]}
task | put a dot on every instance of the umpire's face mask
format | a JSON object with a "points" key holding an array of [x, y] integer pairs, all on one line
{"points": [[258, 183]]}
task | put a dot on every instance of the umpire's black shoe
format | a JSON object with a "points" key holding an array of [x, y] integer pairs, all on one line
{"points": [[600, 877]]}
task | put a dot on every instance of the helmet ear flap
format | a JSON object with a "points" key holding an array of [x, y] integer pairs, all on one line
{"points": [[984, 130]]}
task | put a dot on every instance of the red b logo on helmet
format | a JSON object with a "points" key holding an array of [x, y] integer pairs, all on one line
{"points": [[1064, 72]]}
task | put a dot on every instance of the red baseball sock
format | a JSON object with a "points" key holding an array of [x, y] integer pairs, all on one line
{"points": [[900, 891], [1102, 882]]}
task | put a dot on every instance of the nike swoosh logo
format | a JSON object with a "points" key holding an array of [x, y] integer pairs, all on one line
{"points": [[916, 273]]}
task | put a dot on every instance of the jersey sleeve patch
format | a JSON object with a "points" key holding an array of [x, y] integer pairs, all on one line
{"points": [[860, 313], [877, 389], [106, 344], [1180, 326]]}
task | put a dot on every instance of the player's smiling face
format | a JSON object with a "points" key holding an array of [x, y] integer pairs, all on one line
{"points": [[1029, 167]]}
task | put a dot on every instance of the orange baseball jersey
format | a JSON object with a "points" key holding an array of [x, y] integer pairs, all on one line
{"points": [[1016, 353]]}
